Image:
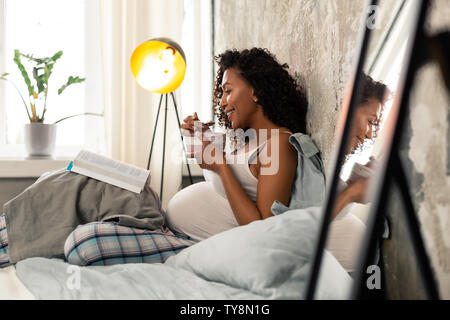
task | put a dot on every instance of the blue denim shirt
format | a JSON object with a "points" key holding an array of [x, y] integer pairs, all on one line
{"points": [[308, 189]]}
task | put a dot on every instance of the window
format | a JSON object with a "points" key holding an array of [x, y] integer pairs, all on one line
{"points": [[42, 28]]}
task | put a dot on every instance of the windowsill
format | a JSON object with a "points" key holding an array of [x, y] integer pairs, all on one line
{"points": [[15, 167], [14, 162], [19, 167]]}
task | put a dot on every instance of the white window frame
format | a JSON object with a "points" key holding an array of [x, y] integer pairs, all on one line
{"points": [[198, 44], [196, 92], [2, 83]]}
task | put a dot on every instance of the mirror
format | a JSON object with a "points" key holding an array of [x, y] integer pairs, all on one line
{"points": [[365, 130]]}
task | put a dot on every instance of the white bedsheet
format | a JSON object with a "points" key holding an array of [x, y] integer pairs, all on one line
{"points": [[267, 259], [11, 288]]}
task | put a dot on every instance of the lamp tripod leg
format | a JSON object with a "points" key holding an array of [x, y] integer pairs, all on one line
{"points": [[164, 150], [181, 136], [154, 132]]}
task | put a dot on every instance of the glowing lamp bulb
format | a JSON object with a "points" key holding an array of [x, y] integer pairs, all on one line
{"points": [[158, 65]]}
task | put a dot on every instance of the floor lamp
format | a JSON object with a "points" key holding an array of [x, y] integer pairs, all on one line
{"points": [[159, 66]]}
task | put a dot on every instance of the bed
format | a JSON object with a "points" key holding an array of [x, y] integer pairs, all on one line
{"points": [[272, 262]]}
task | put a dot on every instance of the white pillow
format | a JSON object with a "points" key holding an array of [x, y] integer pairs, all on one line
{"points": [[271, 257]]}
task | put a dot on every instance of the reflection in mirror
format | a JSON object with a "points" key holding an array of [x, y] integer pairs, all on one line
{"points": [[363, 152], [365, 146]]}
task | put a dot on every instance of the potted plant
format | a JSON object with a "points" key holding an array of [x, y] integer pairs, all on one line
{"points": [[40, 137]]}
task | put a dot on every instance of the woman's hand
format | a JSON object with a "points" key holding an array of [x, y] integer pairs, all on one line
{"points": [[190, 133], [189, 123], [354, 192], [212, 155], [357, 191]]}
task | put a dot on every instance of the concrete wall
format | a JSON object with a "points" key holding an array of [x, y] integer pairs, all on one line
{"points": [[318, 40]]}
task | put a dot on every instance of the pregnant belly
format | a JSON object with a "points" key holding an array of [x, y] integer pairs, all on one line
{"points": [[200, 212]]}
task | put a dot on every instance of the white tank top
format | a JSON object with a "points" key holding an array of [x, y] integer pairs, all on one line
{"points": [[202, 209], [239, 164]]}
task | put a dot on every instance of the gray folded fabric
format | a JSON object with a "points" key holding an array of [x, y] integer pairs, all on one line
{"points": [[39, 219]]}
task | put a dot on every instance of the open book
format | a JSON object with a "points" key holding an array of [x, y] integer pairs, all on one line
{"points": [[114, 172]]}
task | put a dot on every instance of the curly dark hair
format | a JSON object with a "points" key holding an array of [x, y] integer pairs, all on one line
{"points": [[282, 99], [374, 89]]}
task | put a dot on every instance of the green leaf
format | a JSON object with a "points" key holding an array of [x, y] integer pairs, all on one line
{"points": [[40, 81], [3, 77], [70, 81], [24, 73], [49, 66], [80, 114], [56, 56], [30, 57], [46, 75]]}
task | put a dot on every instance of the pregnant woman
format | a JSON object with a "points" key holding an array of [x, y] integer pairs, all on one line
{"points": [[254, 93], [261, 106]]}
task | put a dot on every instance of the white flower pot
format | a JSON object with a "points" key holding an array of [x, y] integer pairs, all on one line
{"points": [[40, 139]]}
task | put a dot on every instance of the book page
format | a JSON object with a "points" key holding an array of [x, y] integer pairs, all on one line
{"points": [[111, 171]]}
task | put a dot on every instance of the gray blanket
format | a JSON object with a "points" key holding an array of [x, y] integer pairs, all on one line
{"points": [[39, 219]]}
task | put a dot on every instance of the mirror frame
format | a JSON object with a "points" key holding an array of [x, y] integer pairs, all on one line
{"points": [[391, 170]]}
